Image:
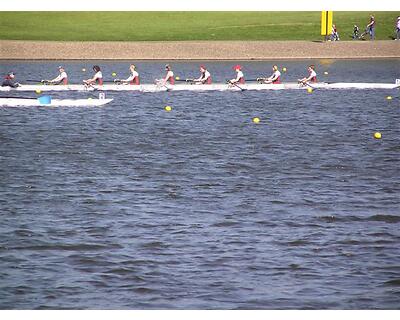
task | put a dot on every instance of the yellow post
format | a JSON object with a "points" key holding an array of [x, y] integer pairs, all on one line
{"points": [[326, 23]]}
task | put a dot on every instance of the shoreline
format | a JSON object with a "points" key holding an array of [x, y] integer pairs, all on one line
{"points": [[198, 50]]}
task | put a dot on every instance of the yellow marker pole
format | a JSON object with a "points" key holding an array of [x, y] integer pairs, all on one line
{"points": [[326, 23]]}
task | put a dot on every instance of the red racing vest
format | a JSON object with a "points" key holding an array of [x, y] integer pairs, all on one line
{"points": [[277, 80], [208, 81], [135, 81]]}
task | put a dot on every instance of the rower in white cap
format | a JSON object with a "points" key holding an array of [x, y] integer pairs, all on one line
{"points": [[62, 78]]}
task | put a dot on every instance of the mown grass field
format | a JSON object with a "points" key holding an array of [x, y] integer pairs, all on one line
{"points": [[170, 26]]}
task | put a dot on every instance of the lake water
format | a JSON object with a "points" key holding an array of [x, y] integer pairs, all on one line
{"points": [[128, 206]]}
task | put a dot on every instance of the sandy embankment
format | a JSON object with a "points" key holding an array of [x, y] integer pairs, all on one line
{"points": [[198, 50]]}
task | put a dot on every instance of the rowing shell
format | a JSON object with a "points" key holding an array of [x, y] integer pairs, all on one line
{"points": [[194, 87], [19, 102]]}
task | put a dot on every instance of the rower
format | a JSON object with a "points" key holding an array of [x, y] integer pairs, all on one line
{"points": [[169, 77], [97, 78], [205, 77], [239, 75], [312, 77], [62, 78], [275, 78], [133, 78], [9, 81]]}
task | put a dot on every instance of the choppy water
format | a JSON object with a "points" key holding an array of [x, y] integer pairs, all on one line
{"points": [[128, 206]]}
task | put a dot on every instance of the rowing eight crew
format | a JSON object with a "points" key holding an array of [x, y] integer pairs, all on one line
{"points": [[133, 79]]}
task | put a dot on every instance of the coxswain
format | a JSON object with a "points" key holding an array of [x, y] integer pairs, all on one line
{"points": [[9, 81], [62, 78], [132, 79], [205, 77], [239, 75], [169, 77], [312, 77], [97, 78], [275, 78]]}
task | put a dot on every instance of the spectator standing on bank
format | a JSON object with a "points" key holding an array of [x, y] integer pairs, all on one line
{"points": [[356, 32], [335, 34], [398, 28]]}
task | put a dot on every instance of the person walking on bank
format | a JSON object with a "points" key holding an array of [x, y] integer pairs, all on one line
{"points": [[370, 28], [398, 28]]}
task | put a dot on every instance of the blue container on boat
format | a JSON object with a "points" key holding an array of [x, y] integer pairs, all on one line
{"points": [[45, 100]]}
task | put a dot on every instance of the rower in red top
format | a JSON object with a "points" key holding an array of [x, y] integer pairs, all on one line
{"points": [[239, 75], [312, 77], [275, 78], [62, 78], [205, 77], [132, 79], [169, 77], [97, 78]]}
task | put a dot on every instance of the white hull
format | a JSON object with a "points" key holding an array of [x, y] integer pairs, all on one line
{"points": [[20, 102], [212, 87]]}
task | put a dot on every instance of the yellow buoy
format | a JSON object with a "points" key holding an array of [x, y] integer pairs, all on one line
{"points": [[377, 135], [38, 91], [168, 108], [309, 90], [113, 74], [83, 70], [389, 98], [256, 120], [284, 69], [177, 78], [326, 72]]}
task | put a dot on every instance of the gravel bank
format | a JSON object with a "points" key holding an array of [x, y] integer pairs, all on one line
{"points": [[198, 50]]}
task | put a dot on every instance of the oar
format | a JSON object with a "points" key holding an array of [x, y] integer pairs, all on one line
{"points": [[5, 97], [160, 85], [310, 86], [258, 80], [185, 80], [307, 84], [40, 81], [233, 83]]}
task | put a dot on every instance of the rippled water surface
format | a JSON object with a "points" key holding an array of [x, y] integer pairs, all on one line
{"points": [[128, 206]]}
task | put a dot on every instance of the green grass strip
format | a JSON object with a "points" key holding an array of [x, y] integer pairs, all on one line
{"points": [[183, 26]]}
